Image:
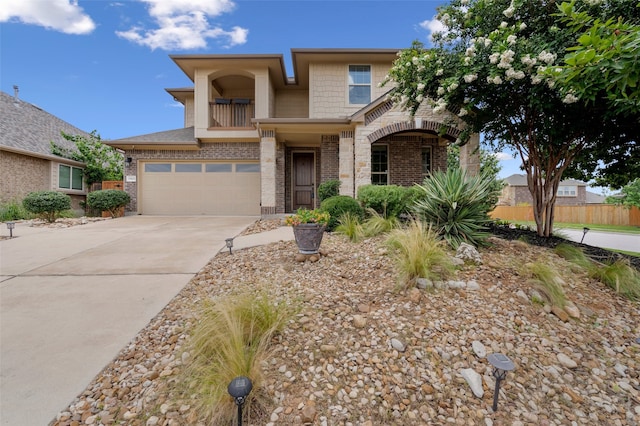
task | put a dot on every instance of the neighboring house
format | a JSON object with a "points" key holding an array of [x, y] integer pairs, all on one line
{"points": [[570, 192], [26, 161], [257, 142]]}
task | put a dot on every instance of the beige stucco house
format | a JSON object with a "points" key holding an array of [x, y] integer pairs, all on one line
{"points": [[258, 142], [26, 161]]}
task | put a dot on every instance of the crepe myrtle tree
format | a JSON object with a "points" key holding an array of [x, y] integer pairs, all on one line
{"points": [[489, 67]]}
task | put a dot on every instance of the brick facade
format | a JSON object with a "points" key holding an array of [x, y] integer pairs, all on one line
{"points": [[21, 174]]}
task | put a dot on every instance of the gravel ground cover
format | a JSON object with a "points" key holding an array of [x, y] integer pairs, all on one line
{"points": [[362, 353]]}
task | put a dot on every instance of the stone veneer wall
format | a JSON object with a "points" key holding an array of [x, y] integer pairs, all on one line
{"points": [[208, 152]]}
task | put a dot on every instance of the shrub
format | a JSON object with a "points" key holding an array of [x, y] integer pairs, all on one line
{"points": [[349, 225], [337, 205], [13, 210], [231, 339], [111, 200], [328, 189], [455, 204], [386, 200], [418, 253], [47, 204], [548, 281]]}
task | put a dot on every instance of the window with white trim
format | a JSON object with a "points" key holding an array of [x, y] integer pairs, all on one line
{"points": [[70, 177], [359, 84], [567, 191], [379, 165]]}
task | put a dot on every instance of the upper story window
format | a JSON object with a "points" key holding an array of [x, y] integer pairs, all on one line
{"points": [[359, 84], [567, 191], [70, 177]]}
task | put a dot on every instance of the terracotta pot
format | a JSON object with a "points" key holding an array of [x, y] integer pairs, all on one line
{"points": [[308, 237]]}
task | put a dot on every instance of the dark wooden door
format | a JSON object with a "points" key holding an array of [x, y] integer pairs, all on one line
{"points": [[303, 185]]}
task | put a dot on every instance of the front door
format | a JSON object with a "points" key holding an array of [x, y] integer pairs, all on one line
{"points": [[303, 185]]}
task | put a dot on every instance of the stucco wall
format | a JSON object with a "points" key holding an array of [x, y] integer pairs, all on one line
{"points": [[292, 104]]}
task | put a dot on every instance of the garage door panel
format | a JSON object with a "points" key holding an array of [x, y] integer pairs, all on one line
{"points": [[213, 188]]}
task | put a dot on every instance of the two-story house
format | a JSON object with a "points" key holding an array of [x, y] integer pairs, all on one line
{"points": [[258, 142]]}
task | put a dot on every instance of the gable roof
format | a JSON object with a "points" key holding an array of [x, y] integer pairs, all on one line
{"points": [[28, 129], [593, 198], [521, 180], [183, 137]]}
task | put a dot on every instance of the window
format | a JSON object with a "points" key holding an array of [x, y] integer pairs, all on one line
{"points": [[359, 84], [248, 168], [379, 165], [218, 168], [426, 161], [70, 177], [567, 191], [188, 168], [157, 168]]}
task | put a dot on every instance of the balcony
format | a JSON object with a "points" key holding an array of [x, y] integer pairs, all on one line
{"points": [[231, 113]]}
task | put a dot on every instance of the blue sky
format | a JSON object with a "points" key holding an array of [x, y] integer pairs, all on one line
{"points": [[103, 65]]}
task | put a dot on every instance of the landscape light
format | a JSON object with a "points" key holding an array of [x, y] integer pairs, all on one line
{"points": [[239, 389], [10, 226], [584, 232], [229, 243], [501, 366]]}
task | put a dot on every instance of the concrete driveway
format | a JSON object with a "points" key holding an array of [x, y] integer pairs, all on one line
{"points": [[71, 299]]}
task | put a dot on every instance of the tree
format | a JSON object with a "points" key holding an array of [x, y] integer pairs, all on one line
{"points": [[629, 195], [603, 70], [490, 68], [102, 162]]}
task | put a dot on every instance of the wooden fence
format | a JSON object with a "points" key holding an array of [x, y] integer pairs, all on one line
{"points": [[600, 214]]}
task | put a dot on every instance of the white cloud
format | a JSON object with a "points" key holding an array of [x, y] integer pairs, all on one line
{"points": [[60, 15], [503, 156], [184, 25], [433, 26]]}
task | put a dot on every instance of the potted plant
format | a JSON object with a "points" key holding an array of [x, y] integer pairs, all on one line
{"points": [[308, 229]]}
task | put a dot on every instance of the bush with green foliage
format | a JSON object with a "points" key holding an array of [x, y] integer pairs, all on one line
{"points": [[13, 210], [328, 189], [387, 200], [338, 205], [111, 200], [47, 204], [455, 204], [419, 253]]}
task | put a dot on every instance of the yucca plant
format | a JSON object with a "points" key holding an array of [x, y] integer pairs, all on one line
{"points": [[378, 224], [620, 276], [455, 204], [231, 339], [349, 225], [547, 280], [419, 253]]}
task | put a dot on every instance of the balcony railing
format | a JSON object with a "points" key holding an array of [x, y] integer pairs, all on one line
{"points": [[231, 113]]}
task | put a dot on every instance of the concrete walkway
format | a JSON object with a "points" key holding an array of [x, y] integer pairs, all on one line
{"points": [[71, 299]]}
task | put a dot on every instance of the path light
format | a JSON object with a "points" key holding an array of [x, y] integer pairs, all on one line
{"points": [[501, 366], [10, 226], [229, 243], [584, 232], [239, 389]]}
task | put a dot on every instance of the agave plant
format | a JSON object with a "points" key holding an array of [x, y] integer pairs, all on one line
{"points": [[455, 204]]}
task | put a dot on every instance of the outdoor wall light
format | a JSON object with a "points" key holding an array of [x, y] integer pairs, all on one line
{"points": [[239, 389], [501, 366], [229, 243], [584, 232], [129, 160], [10, 226]]}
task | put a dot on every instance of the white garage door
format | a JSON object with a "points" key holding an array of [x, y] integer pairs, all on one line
{"points": [[195, 188]]}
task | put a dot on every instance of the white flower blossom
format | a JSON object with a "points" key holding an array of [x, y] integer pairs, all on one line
{"points": [[503, 24], [440, 91], [551, 84], [515, 75], [421, 87], [493, 58], [512, 39], [528, 60], [506, 58], [462, 112], [441, 106], [415, 60], [445, 19], [464, 2], [508, 12], [495, 80], [487, 42], [419, 98], [439, 71], [471, 51], [523, 26], [467, 60], [470, 78], [535, 79], [593, 2], [547, 57], [570, 98], [452, 87]]}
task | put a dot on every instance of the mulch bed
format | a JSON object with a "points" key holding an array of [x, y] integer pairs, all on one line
{"points": [[596, 253]]}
